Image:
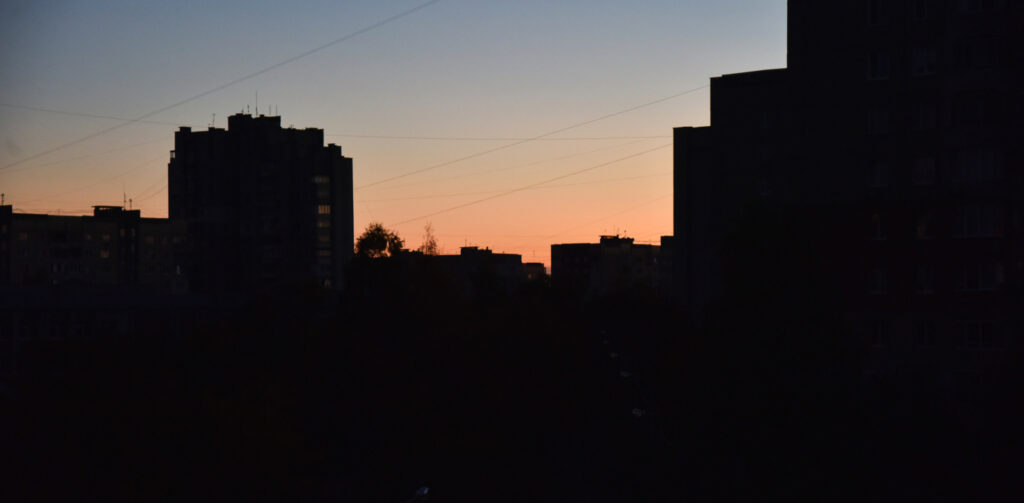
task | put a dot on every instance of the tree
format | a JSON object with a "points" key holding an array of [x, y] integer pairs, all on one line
{"points": [[429, 245], [377, 241]]}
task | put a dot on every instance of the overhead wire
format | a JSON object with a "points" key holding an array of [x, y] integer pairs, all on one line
{"points": [[511, 168], [533, 138], [532, 185], [225, 85]]}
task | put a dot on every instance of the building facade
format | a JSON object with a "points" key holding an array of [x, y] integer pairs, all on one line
{"points": [[114, 248], [613, 265], [895, 137], [265, 205]]}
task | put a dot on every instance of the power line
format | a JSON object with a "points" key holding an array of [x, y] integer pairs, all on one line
{"points": [[119, 175], [534, 138], [96, 154], [228, 84], [606, 217], [438, 196], [532, 185], [520, 166], [82, 114], [485, 138]]}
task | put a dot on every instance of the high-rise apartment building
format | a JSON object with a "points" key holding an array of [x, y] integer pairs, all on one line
{"points": [[898, 129], [265, 205]]}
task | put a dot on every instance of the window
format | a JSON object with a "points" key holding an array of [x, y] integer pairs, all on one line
{"points": [[924, 334], [980, 277], [925, 116], [877, 12], [323, 224], [877, 282], [323, 209], [104, 254], [878, 65], [877, 227], [924, 171], [323, 253], [919, 10], [321, 179], [923, 62], [925, 281], [878, 333], [976, 334], [106, 236], [22, 236], [878, 175], [923, 229], [977, 220], [878, 120], [978, 165]]}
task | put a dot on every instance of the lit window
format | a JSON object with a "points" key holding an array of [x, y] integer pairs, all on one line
{"points": [[321, 179], [104, 254], [323, 224], [323, 209]]}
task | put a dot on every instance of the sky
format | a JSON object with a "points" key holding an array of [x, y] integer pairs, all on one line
{"points": [[459, 113]]}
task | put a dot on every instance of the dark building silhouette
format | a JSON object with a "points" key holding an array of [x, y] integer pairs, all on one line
{"points": [[474, 272], [113, 248], [615, 264], [891, 148], [264, 205]]}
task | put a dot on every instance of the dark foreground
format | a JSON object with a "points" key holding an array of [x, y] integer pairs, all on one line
{"points": [[308, 398]]}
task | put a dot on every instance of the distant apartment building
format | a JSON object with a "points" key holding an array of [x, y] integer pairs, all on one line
{"points": [[615, 264], [896, 129], [534, 271], [114, 248], [264, 205], [475, 272]]}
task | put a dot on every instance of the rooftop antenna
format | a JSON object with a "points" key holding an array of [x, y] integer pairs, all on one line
{"points": [[213, 120], [129, 203], [2, 196], [124, 196], [257, 102]]}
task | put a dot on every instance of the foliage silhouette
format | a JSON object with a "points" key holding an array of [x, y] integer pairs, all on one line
{"points": [[378, 241]]}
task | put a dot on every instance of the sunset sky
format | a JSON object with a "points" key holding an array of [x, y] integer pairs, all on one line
{"points": [[449, 81]]}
